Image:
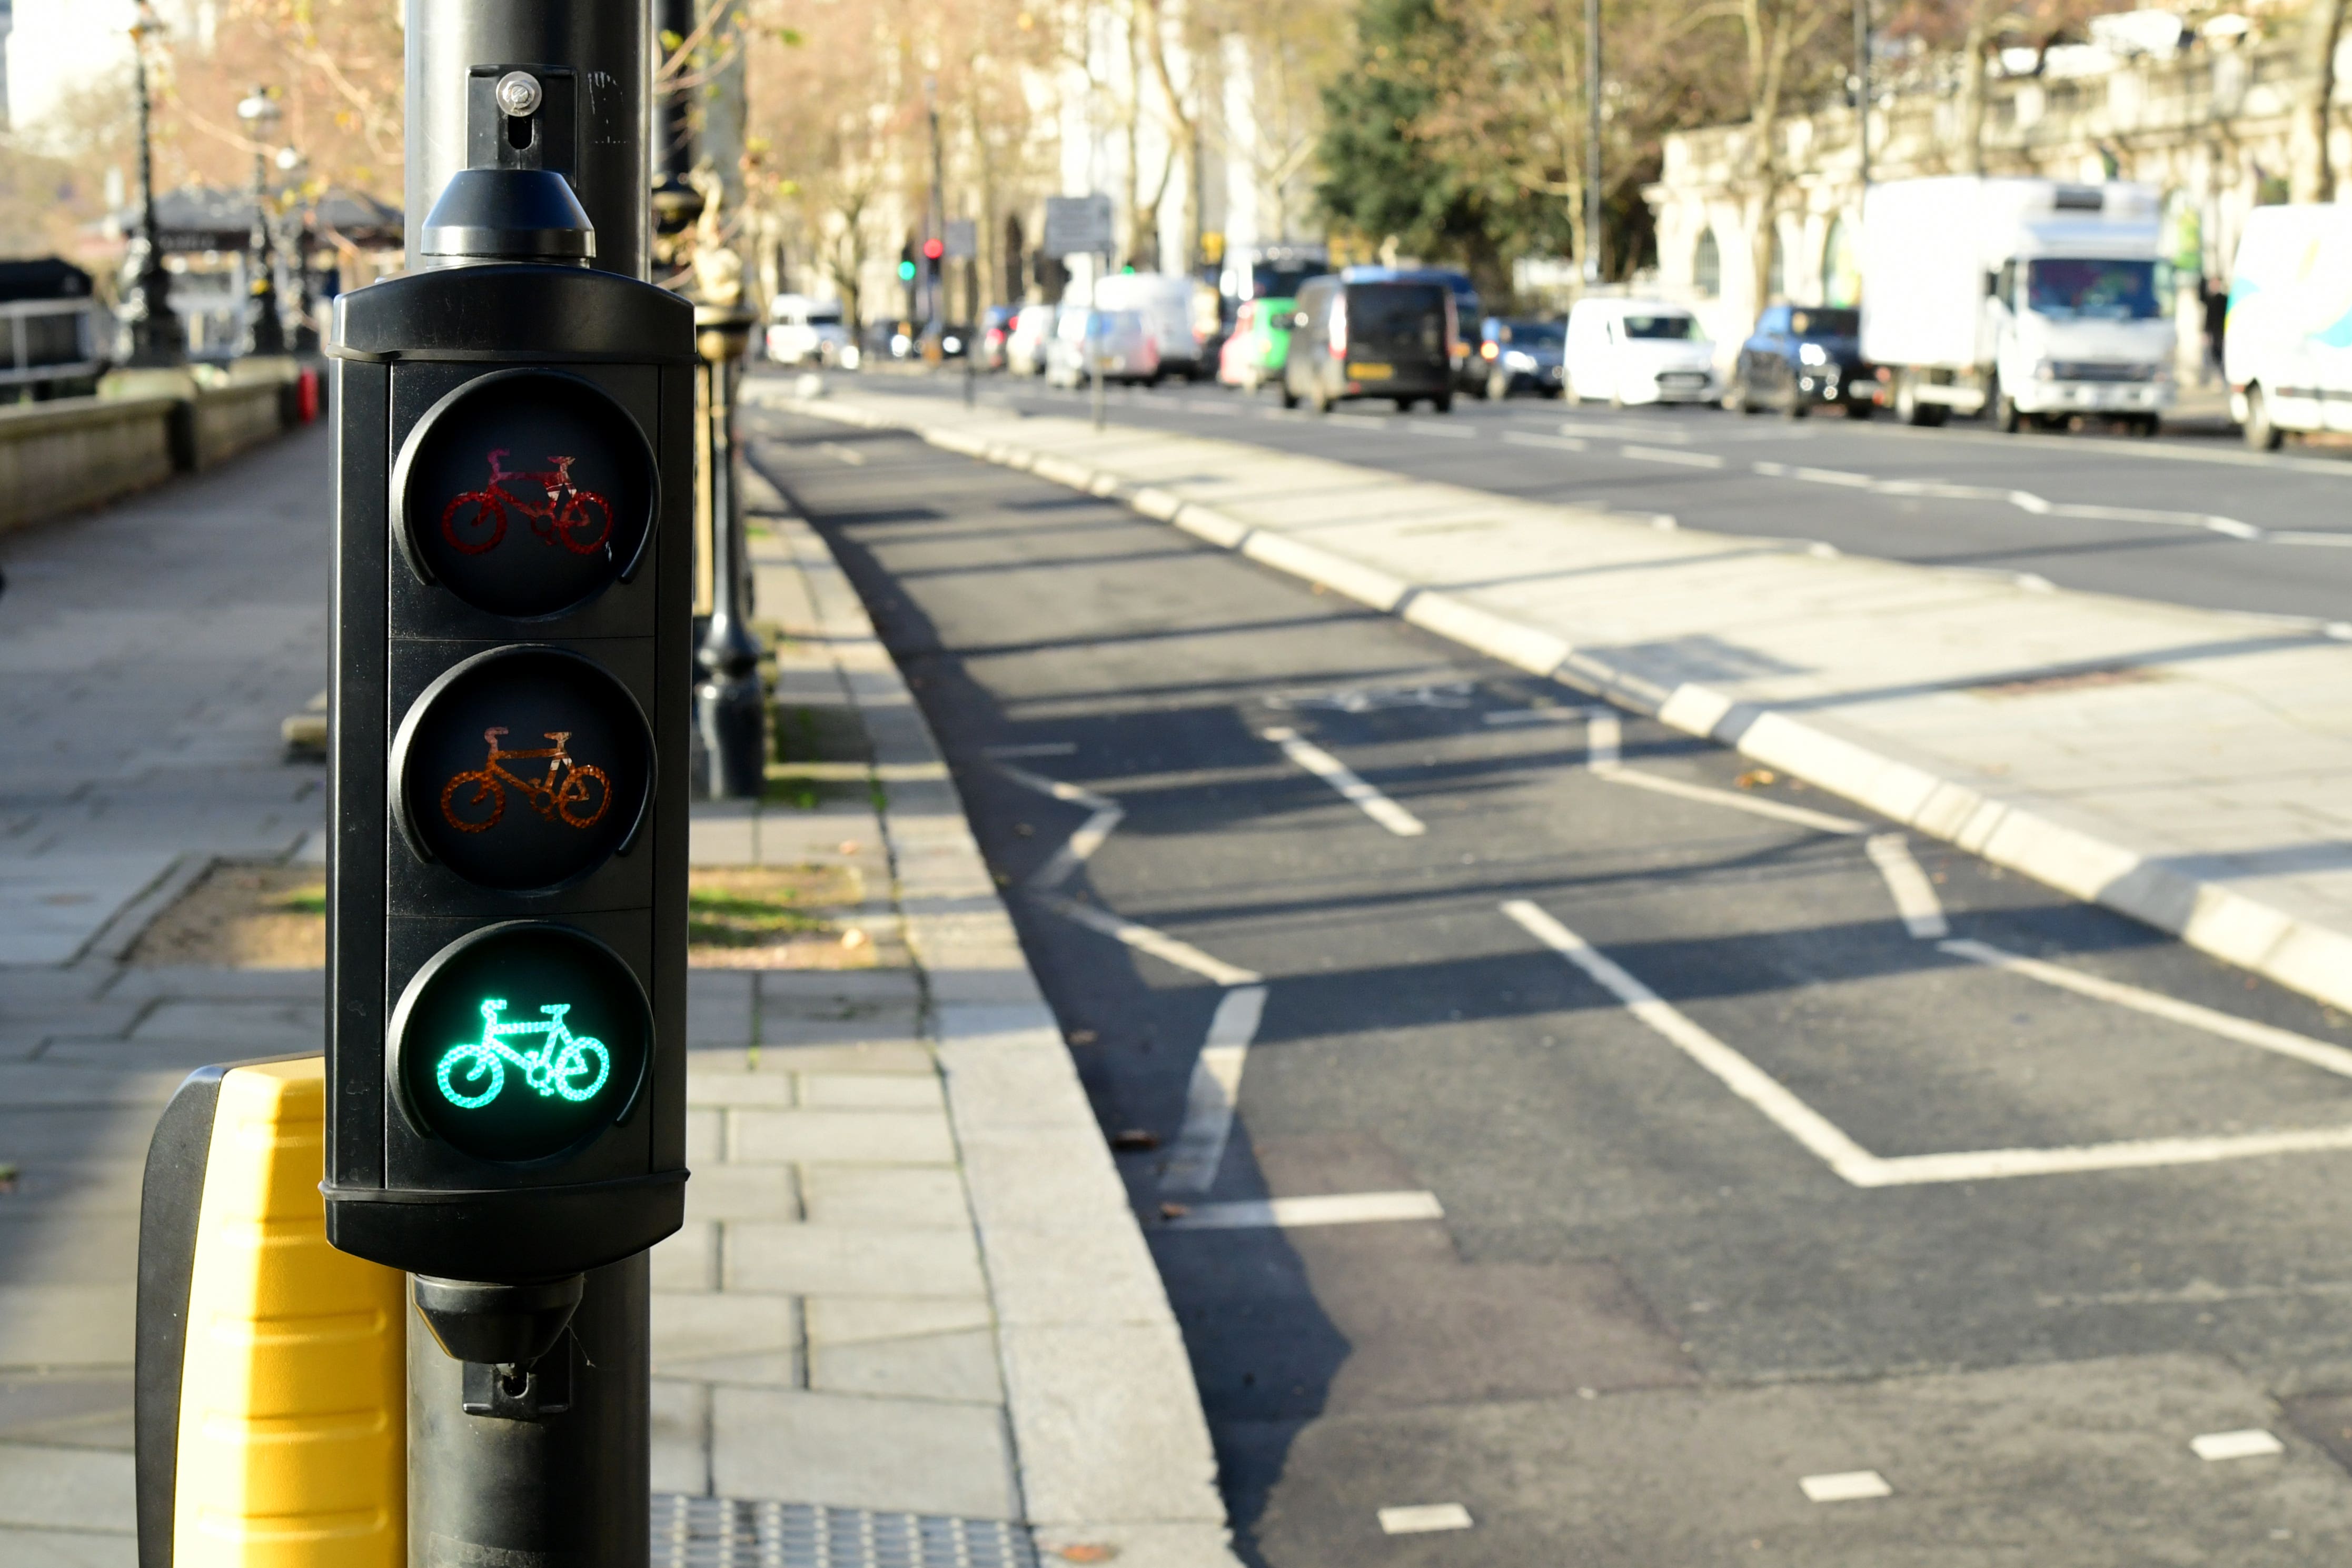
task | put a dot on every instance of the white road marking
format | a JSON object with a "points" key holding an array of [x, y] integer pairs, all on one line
{"points": [[1743, 1078], [1036, 749], [2229, 1026], [1416, 1519], [1517, 718], [2298, 536], [1556, 443], [1844, 1486], [1074, 851], [1659, 454], [2250, 1443], [841, 454], [1359, 421], [1342, 777], [1292, 1213], [1604, 738], [1159, 944], [1215, 1090], [1914, 896], [2041, 506], [1448, 431], [1864, 1169]]}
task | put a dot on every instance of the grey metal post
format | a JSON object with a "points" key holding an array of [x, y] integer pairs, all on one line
{"points": [[1592, 193], [1094, 349], [569, 1483], [1862, 86], [265, 332], [730, 710], [605, 41]]}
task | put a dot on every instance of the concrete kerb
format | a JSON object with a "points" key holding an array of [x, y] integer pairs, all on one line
{"points": [[1111, 1448], [2295, 953]]}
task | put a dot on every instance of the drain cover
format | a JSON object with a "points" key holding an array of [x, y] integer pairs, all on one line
{"points": [[726, 1533]]}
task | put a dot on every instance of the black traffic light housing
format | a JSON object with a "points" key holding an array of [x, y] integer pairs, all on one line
{"points": [[513, 693]]}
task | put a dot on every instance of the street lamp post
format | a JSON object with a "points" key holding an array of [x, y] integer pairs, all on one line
{"points": [[1862, 86], [157, 338], [265, 332], [1592, 202]]}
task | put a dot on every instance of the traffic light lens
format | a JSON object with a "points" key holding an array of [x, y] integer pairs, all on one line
{"points": [[906, 271], [526, 493], [933, 250], [522, 1040], [523, 769]]}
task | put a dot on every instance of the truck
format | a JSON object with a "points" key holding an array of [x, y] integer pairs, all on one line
{"points": [[2032, 301], [2286, 343], [1165, 301]]}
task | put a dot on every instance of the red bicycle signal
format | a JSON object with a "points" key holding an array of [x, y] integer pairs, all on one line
{"points": [[573, 516]]}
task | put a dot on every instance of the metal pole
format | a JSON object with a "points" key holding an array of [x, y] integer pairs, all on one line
{"points": [[1594, 226], [1862, 86], [1094, 349], [729, 710], [157, 338], [264, 334], [937, 219], [516, 1456]]}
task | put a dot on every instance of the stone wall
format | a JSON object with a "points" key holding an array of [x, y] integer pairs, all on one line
{"points": [[80, 452]]}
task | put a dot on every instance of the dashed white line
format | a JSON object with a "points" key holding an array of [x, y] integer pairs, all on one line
{"points": [[1074, 851], [1604, 738], [2041, 506], [1035, 749], [2248, 1443], [1343, 778], [1914, 896], [1844, 1486], [1417, 1519], [1556, 443], [1215, 1090], [1290, 1214], [1661, 455], [2228, 1026], [1157, 943], [841, 454], [1445, 432]]}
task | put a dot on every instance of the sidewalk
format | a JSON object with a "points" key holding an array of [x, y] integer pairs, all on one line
{"points": [[2183, 766], [911, 1319]]}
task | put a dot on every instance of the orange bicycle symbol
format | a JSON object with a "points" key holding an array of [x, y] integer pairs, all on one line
{"points": [[563, 794], [576, 518]]}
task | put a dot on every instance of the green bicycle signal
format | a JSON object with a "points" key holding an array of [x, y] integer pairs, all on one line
{"points": [[556, 1068]]}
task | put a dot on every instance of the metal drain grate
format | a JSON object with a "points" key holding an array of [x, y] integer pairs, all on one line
{"points": [[724, 1533]]}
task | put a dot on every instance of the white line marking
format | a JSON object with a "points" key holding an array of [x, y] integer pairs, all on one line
{"points": [[2250, 1443], [1342, 777], [2003, 1165], [2039, 505], [1066, 860], [1291, 1213], [2298, 536], [1604, 738], [1755, 806], [1914, 896], [1844, 1486], [1659, 454], [1159, 944], [2229, 1026], [1359, 421], [1735, 1072], [1215, 1090], [1036, 749], [1556, 443], [1518, 718], [841, 454], [1418, 1518], [1449, 432]]}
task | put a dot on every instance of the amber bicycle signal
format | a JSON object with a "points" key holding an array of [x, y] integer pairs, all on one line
{"points": [[564, 794], [570, 515]]}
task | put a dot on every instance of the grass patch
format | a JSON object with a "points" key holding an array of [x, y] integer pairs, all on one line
{"points": [[244, 915], [776, 916]]}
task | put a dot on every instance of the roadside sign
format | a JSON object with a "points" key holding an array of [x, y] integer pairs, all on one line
{"points": [[1078, 225], [963, 239]]}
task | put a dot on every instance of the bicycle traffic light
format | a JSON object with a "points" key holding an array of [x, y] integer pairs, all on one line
{"points": [[512, 689]]}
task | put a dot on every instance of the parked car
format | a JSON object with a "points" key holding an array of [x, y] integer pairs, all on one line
{"points": [[1026, 344], [1120, 342], [1260, 343], [2290, 320], [892, 341], [801, 331], [949, 340], [1521, 356], [1638, 350], [1802, 357], [995, 329], [1394, 338]]}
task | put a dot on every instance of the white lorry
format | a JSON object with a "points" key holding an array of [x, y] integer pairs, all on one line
{"points": [[1164, 300], [2026, 300], [2288, 348]]}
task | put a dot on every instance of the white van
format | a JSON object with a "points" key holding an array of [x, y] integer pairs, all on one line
{"points": [[1164, 300], [2288, 348], [1638, 350], [801, 331]]}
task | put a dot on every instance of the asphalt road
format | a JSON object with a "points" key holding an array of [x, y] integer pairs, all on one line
{"points": [[1613, 1160], [2167, 519]]}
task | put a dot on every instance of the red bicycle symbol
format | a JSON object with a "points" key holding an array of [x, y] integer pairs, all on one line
{"points": [[567, 793], [576, 518]]}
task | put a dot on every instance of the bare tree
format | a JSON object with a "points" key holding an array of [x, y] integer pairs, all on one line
{"points": [[2311, 170]]}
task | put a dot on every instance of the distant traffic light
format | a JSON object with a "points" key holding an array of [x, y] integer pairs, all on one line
{"points": [[906, 270], [934, 248]]}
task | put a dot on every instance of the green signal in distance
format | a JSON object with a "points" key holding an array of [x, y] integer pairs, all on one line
{"points": [[471, 1074]]}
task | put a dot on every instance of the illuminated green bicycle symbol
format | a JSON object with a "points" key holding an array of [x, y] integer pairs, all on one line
{"points": [[562, 1060]]}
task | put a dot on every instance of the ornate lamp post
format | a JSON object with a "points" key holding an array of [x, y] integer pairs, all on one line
{"points": [[265, 332], [291, 166], [157, 338]]}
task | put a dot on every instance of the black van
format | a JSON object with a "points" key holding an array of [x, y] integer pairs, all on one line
{"points": [[1387, 339]]}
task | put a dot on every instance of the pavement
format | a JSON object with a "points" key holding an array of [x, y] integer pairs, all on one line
{"points": [[2175, 762], [910, 1318], [1565, 1139]]}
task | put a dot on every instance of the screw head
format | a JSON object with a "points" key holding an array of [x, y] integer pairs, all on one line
{"points": [[520, 94]]}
